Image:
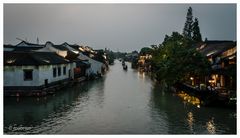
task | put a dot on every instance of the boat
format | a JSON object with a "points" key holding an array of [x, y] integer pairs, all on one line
{"points": [[125, 67], [123, 63]]}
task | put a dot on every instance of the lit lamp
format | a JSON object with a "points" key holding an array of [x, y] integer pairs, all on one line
{"points": [[211, 82], [191, 78]]}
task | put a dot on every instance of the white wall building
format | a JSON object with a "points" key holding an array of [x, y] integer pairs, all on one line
{"points": [[96, 66], [61, 51], [34, 69]]}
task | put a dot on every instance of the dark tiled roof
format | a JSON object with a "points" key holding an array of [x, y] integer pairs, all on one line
{"points": [[71, 55], [29, 44], [81, 63], [24, 48], [217, 47], [76, 47], [32, 58], [66, 44], [60, 47], [8, 46]]}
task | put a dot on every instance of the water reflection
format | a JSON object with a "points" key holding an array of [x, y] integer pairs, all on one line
{"points": [[188, 98], [183, 116], [190, 120], [141, 75], [30, 114], [165, 105], [211, 126]]}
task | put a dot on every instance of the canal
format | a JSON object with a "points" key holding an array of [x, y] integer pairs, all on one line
{"points": [[122, 102]]}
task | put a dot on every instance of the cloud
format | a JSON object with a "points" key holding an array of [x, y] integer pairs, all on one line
{"points": [[124, 27]]}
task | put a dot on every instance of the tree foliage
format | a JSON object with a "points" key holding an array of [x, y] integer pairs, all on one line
{"points": [[197, 37], [191, 29], [175, 60], [146, 50], [110, 56], [187, 30]]}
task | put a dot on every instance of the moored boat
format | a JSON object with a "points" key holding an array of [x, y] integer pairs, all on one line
{"points": [[125, 67]]}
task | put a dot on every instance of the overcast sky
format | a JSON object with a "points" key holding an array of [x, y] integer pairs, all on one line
{"points": [[123, 27]]}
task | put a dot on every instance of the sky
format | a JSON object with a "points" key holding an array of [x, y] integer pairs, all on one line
{"points": [[120, 27]]}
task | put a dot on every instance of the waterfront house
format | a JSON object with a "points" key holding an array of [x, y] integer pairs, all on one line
{"points": [[61, 51], [144, 62], [82, 66], [23, 46], [79, 67], [222, 56], [86, 53], [96, 66], [26, 72]]}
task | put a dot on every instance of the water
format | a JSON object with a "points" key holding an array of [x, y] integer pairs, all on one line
{"points": [[122, 102]]}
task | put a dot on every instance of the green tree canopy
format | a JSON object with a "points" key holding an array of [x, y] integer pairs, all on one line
{"points": [[146, 50], [197, 37], [175, 60], [187, 30], [191, 29]]}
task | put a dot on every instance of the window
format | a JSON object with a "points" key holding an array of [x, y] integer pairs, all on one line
{"points": [[59, 71], [64, 70], [54, 72], [28, 76]]}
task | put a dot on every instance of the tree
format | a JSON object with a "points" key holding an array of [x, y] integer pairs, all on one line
{"points": [[154, 46], [197, 37], [175, 61], [187, 30], [191, 30], [110, 56], [146, 50]]}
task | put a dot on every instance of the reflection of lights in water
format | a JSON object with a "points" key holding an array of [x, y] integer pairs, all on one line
{"points": [[141, 75], [190, 120], [211, 126], [17, 99], [190, 99]]}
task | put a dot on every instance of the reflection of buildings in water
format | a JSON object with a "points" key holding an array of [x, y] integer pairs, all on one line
{"points": [[32, 111], [189, 99], [99, 87], [141, 75], [190, 120], [211, 126]]}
